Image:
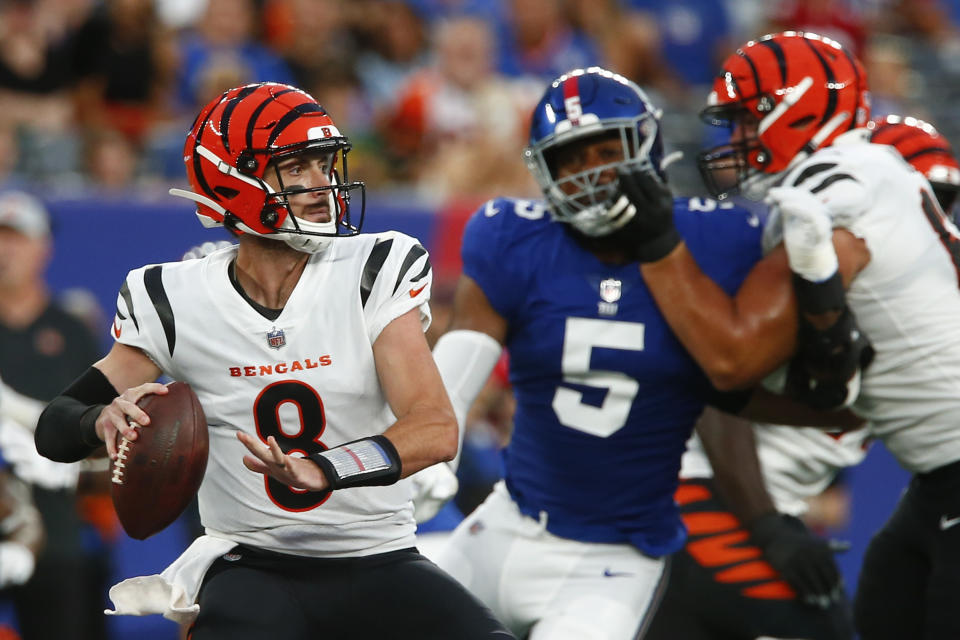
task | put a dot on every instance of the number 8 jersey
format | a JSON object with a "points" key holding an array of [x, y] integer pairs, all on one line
{"points": [[307, 378], [606, 394]]}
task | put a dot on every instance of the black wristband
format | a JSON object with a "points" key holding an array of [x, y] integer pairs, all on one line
{"points": [[366, 462], [820, 297], [659, 247]]}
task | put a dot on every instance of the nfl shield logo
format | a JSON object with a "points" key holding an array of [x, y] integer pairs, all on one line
{"points": [[276, 338], [610, 290]]}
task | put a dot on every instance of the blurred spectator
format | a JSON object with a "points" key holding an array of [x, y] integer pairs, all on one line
{"points": [[836, 19], [433, 10], [179, 14], [536, 40], [222, 52], [695, 36], [312, 36], [10, 174], [630, 43], [893, 84], [458, 127], [40, 60], [748, 18], [42, 55], [931, 20], [393, 40], [317, 42], [42, 349], [21, 530], [132, 62], [110, 161]]}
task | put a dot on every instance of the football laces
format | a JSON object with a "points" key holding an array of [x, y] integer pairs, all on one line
{"points": [[119, 465]]}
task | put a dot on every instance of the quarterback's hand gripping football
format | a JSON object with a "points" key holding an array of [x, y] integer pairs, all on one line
{"points": [[807, 232], [270, 460], [803, 559], [123, 417], [648, 233]]}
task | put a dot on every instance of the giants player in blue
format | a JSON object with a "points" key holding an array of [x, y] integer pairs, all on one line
{"points": [[575, 542]]}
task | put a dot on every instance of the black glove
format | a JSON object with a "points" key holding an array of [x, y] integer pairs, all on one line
{"points": [[649, 234], [803, 559], [823, 372]]}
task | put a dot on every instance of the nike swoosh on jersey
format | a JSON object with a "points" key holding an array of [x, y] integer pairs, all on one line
{"points": [[946, 523], [117, 329], [415, 292], [607, 573]]}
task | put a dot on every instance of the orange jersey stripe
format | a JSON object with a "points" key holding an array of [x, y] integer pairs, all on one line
{"points": [[778, 590], [687, 493], [709, 522], [752, 571], [719, 550]]}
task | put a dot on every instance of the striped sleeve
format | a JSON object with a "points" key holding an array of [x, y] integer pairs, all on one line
{"points": [[840, 185], [144, 317], [396, 277]]}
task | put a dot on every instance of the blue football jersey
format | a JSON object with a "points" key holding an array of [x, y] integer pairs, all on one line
{"points": [[606, 394]]}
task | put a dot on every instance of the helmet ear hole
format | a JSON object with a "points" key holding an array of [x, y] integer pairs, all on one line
{"points": [[226, 192], [247, 163], [269, 216]]}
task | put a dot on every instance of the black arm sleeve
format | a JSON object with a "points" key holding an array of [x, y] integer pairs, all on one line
{"points": [[66, 431]]}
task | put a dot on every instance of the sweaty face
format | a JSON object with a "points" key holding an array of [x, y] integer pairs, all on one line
{"points": [[585, 155], [303, 172], [744, 127]]}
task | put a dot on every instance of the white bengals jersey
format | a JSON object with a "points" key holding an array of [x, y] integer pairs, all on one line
{"points": [[907, 299], [796, 462], [308, 378]]}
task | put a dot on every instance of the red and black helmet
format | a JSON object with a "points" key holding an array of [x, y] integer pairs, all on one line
{"points": [[231, 146], [783, 97], [925, 148]]}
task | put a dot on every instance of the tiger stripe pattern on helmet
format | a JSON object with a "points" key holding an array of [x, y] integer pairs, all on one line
{"points": [[231, 144], [800, 89], [926, 149]]}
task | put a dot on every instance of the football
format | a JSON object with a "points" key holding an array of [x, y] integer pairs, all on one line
{"points": [[156, 476]]}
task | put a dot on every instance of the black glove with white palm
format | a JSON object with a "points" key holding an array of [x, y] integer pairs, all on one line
{"points": [[803, 559], [645, 204]]}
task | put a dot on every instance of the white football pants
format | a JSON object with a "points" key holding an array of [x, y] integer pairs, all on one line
{"points": [[552, 588]]}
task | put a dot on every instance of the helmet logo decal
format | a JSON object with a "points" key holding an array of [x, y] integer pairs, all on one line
{"points": [[571, 101], [276, 339], [324, 131]]}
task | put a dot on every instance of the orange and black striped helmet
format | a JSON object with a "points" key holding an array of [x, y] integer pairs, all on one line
{"points": [[925, 148], [783, 96], [231, 146]]}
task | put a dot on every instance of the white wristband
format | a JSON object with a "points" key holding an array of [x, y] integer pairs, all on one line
{"points": [[807, 232]]}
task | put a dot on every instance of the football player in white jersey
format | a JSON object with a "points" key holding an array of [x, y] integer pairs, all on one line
{"points": [[850, 214], [743, 488], [305, 346]]}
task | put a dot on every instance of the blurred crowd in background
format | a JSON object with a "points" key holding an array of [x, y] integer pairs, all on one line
{"points": [[97, 94]]}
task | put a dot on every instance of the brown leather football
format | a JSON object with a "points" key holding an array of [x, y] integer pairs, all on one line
{"points": [[156, 476]]}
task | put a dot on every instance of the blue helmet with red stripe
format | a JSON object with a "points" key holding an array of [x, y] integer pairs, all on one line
{"points": [[585, 105]]}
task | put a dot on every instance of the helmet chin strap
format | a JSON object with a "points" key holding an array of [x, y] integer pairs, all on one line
{"points": [[291, 231]]}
